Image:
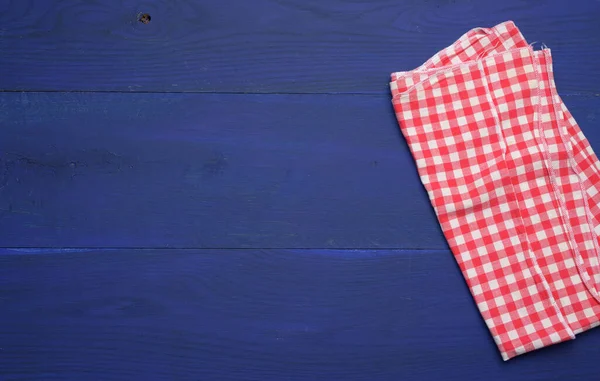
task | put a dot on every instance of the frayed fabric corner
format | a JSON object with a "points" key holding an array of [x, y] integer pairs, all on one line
{"points": [[513, 181]]}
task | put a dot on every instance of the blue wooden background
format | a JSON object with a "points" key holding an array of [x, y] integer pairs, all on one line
{"points": [[223, 193]]}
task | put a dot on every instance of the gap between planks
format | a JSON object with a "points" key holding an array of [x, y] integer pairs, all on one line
{"points": [[568, 94]]}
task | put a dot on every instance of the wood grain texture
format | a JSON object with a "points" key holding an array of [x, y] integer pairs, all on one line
{"points": [[268, 45], [214, 171], [198, 170], [255, 315]]}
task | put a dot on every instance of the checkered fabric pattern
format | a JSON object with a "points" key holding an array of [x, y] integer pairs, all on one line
{"points": [[513, 182]]}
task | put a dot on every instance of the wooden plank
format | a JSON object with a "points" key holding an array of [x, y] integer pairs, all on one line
{"points": [[255, 315], [200, 170], [268, 45]]}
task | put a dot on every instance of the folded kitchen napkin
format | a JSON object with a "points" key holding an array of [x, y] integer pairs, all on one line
{"points": [[513, 181]]}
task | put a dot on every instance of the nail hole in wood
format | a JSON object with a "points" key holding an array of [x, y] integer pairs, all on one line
{"points": [[144, 18]]}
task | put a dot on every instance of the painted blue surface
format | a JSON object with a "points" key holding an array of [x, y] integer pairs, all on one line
{"points": [[223, 193], [256, 315], [268, 46]]}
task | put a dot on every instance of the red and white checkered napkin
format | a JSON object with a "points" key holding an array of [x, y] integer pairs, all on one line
{"points": [[513, 181]]}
